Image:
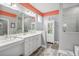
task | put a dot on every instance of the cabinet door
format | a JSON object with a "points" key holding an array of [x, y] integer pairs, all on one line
{"points": [[27, 44], [14, 49], [35, 43], [31, 45], [39, 40]]}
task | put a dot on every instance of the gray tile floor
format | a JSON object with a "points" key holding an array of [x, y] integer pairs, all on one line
{"points": [[51, 50]]}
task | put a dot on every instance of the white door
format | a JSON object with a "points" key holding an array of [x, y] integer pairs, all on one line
{"points": [[50, 31]]}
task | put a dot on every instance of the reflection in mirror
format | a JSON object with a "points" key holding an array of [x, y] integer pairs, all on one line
{"points": [[19, 24], [33, 24], [50, 27], [12, 26], [29, 23], [3, 27]]}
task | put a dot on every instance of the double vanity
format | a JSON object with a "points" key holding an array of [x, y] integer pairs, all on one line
{"points": [[20, 44]]}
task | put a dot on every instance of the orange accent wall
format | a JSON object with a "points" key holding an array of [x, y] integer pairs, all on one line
{"points": [[7, 13], [51, 13], [29, 6]]}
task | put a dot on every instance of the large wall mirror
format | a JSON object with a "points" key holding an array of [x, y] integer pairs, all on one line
{"points": [[29, 23], [19, 24], [3, 27], [70, 19], [15, 25]]}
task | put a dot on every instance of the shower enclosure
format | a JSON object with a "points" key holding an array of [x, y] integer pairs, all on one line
{"points": [[70, 27]]}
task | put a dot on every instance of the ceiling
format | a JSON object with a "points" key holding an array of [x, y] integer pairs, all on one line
{"points": [[45, 7], [68, 5]]}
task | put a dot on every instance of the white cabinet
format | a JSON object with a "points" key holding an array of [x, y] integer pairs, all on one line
{"points": [[32, 43], [26, 46], [13, 49]]}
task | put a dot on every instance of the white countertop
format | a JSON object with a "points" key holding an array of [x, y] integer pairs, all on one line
{"points": [[9, 41], [29, 34], [17, 38]]}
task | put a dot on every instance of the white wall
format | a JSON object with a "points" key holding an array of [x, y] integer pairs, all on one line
{"points": [[71, 17], [69, 5], [56, 33], [69, 40]]}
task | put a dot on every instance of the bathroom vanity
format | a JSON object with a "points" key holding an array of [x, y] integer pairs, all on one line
{"points": [[20, 44], [32, 43], [11, 47], [21, 34]]}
